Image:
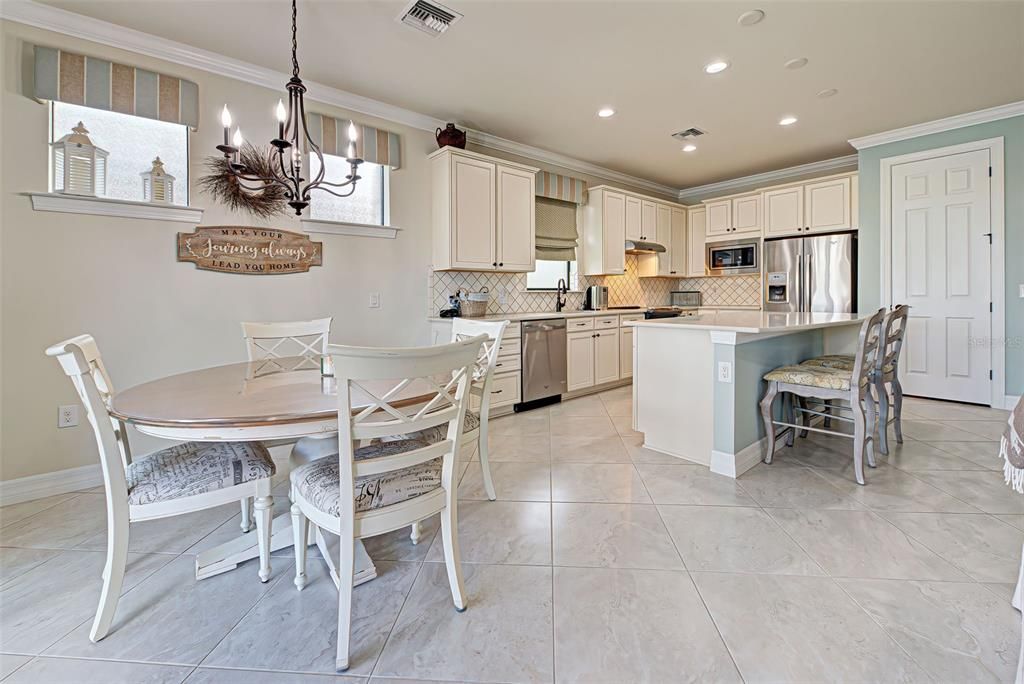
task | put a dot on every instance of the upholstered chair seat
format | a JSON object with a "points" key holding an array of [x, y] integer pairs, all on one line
{"points": [[195, 468], [840, 361], [318, 481], [436, 434], [811, 376]]}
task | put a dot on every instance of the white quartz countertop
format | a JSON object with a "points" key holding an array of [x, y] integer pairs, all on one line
{"points": [[754, 322], [537, 315]]}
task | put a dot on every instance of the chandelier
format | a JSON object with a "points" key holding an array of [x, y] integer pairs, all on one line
{"points": [[286, 158]]}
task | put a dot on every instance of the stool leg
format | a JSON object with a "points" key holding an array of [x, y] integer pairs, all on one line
{"points": [[883, 417], [859, 437], [872, 421], [768, 417], [897, 408], [789, 415], [827, 411], [805, 418]]}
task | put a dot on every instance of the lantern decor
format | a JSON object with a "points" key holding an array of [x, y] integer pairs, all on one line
{"points": [[79, 167], [157, 184], [293, 135]]}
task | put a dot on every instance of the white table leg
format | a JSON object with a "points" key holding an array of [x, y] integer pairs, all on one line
{"points": [[227, 556]]}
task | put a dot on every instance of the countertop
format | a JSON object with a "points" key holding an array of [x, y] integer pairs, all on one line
{"points": [[754, 322], [537, 315]]}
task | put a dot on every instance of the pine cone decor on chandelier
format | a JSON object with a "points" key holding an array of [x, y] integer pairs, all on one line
{"points": [[224, 186]]}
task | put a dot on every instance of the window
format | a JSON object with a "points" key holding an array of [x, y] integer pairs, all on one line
{"points": [[547, 274], [131, 143], [367, 205]]}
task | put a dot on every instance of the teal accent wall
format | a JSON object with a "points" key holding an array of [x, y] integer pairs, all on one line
{"points": [[738, 421], [868, 272]]}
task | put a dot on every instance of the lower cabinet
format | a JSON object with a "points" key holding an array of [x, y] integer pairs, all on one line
{"points": [[592, 358], [625, 352]]}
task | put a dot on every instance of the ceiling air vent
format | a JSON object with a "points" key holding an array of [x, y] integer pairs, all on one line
{"points": [[429, 17], [688, 134]]}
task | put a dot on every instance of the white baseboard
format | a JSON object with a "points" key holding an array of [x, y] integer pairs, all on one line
{"points": [[48, 484], [734, 465]]}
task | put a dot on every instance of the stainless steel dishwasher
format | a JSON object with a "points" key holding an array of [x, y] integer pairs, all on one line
{"points": [[544, 366]]}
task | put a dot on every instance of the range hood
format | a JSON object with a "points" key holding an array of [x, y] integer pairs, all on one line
{"points": [[643, 247]]}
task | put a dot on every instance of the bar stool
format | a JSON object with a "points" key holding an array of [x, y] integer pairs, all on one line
{"points": [[886, 376], [825, 383]]}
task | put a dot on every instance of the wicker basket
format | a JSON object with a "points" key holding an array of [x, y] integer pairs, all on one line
{"points": [[474, 304]]}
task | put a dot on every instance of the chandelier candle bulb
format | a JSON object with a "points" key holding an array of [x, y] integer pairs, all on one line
{"points": [[225, 120], [282, 115]]}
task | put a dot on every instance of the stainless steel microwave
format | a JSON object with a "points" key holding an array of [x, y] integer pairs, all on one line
{"points": [[734, 257]]}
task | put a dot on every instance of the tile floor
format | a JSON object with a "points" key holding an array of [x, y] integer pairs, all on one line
{"points": [[601, 561]]}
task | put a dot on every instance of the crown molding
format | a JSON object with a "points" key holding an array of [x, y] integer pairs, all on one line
{"points": [[131, 40], [940, 125], [776, 177]]}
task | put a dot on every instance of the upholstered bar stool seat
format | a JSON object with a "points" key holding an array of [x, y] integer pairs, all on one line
{"points": [[811, 376], [196, 468], [318, 481], [840, 361], [439, 432]]}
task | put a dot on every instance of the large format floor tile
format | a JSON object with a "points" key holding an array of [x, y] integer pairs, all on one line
{"points": [[398, 546], [513, 481], [861, 544], [504, 635], [172, 618], [501, 532], [891, 489], [983, 454], [525, 446], [597, 483], [983, 489], [780, 485], [691, 484], [10, 663], [611, 536], [77, 671], [590, 405], [43, 605], [177, 533], [586, 440], [14, 512], [15, 561], [912, 456], [734, 539], [801, 629], [207, 675], [614, 625], [985, 548], [62, 526], [957, 632], [297, 631], [938, 431]]}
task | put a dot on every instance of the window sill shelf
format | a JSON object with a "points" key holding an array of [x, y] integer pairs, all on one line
{"points": [[351, 229], [104, 206]]}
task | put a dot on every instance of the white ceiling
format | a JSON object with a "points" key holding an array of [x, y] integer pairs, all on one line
{"points": [[536, 72]]}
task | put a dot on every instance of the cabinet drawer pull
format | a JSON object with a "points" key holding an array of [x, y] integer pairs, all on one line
{"points": [[497, 391]]}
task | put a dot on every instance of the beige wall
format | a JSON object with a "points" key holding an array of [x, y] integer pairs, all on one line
{"points": [[117, 279]]}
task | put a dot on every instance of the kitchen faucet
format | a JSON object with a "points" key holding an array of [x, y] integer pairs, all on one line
{"points": [[559, 298]]}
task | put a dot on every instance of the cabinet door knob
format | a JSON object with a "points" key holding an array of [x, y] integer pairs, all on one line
{"points": [[495, 264], [501, 263]]}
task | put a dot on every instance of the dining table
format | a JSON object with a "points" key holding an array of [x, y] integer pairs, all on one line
{"points": [[276, 401]]}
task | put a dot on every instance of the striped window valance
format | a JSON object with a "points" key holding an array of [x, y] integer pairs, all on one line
{"points": [[64, 76], [565, 188], [372, 144]]}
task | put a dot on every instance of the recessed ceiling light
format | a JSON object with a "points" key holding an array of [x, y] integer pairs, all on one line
{"points": [[798, 63], [605, 112], [828, 92], [689, 148], [787, 121], [715, 67], [750, 18]]}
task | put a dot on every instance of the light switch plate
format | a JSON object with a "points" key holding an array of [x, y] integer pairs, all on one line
{"points": [[1021, 286], [724, 371], [375, 300]]}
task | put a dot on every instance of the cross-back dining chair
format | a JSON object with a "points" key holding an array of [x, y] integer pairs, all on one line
{"points": [[181, 479], [267, 341], [393, 481]]}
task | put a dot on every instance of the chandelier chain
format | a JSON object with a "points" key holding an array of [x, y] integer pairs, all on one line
{"points": [[295, 42]]}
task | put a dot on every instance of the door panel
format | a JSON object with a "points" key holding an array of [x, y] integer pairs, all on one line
{"points": [[580, 360], [719, 217], [678, 250], [614, 216], [746, 214], [827, 205], [632, 218], [625, 352], [473, 205], [606, 356], [784, 211], [516, 227], [648, 220], [663, 236], [941, 259], [695, 242]]}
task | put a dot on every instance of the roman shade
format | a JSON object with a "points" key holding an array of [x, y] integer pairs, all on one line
{"points": [[62, 76], [565, 188], [372, 144], [556, 230]]}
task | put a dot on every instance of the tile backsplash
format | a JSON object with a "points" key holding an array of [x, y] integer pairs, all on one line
{"points": [[623, 290]]}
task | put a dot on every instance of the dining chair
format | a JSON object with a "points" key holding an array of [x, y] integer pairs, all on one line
{"points": [[180, 479], [801, 381], [266, 341], [393, 481], [885, 376]]}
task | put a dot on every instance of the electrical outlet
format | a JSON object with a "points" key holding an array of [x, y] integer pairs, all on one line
{"points": [[67, 416], [375, 300], [1021, 286], [724, 371]]}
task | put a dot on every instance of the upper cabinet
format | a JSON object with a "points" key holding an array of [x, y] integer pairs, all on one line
{"points": [[738, 215], [648, 221], [612, 216], [482, 212], [822, 205], [604, 232], [680, 248], [696, 235], [633, 214]]}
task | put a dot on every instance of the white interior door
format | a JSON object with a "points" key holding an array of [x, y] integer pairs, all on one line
{"points": [[941, 261]]}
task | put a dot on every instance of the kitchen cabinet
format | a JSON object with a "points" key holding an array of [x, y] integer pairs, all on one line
{"points": [[633, 214], [738, 215], [823, 205], [719, 218], [696, 235], [606, 356], [483, 216], [659, 264], [783, 211], [625, 352], [678, 253], [746, 214], [828, 205], [648, 220], [579, 360], [604, 233]]}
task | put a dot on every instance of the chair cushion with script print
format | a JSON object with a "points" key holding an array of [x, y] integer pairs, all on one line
{"points": [[811, 376], [439, 432], [840, 361], [196, 468], [318, 481]]}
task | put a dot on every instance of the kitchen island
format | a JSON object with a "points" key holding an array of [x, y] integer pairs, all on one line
{"points": [[697, 380]]}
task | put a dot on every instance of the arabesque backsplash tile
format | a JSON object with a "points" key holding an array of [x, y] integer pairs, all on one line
{"points": [[623, 290]]}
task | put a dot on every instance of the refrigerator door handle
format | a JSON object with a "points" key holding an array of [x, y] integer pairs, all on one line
{"points": [[808, 275], [799, 281]]}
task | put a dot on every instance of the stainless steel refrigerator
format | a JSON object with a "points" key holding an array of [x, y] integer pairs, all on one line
{"points": [[813, 273]]}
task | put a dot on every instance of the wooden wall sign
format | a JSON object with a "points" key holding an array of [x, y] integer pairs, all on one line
{"points": [[248, 250]]}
